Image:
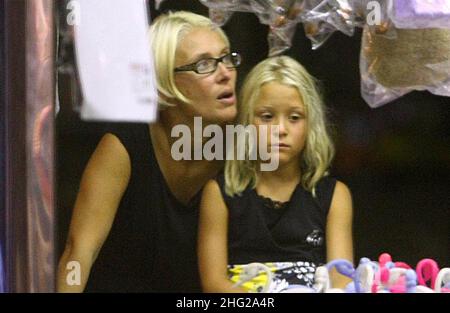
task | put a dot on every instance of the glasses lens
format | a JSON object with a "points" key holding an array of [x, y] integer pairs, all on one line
{"points": [[232, 60], [206, 66]]}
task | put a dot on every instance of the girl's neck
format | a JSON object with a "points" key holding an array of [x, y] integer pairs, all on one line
{"points": [[279, 184], [285, 173]]}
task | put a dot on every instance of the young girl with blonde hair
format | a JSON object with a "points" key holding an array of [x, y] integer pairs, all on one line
{"points": [[293, 218]]}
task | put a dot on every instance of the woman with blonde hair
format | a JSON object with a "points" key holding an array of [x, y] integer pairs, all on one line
{"points": [[134, 224], [292, 218]]}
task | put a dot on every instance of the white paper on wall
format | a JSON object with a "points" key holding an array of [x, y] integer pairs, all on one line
{"points": [[114, 61]]}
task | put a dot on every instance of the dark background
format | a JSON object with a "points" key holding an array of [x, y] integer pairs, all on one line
{"points": [[395, 159]]}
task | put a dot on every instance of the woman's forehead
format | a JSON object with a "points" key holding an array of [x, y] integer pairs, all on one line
{"points": [[200, 42]]}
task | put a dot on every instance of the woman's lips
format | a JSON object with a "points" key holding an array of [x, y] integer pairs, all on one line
{"points": [[230, 100]]}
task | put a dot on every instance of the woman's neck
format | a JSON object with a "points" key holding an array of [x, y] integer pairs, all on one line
{"points": [[171, 119], [163, 141], [184, 177]]}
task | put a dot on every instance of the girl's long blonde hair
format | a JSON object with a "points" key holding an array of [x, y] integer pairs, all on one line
{"points": [[319, 150]]}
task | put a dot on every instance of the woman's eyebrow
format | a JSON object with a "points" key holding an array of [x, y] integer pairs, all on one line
{"points": [[207, 55], [199, 57]]}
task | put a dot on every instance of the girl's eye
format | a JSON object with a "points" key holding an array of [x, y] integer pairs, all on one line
{"points": [[266, 116], [296, 117]]}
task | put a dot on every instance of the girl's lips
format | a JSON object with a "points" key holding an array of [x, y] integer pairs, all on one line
{"points": [[281, 146]]}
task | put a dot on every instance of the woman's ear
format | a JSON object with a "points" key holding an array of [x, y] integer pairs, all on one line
{"points": [[165, 101]]}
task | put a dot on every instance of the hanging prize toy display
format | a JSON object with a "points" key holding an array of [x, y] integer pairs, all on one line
{"points": [[416, 59], [405, 44]]}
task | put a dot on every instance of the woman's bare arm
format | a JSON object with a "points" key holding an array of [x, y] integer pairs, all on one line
{"points": [[103, 183]]}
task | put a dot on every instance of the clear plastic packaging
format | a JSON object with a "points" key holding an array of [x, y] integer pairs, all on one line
{"points": [[414, 60], [275, 13], [394, 60], [322, 18], [375, 15], [282, 16]]}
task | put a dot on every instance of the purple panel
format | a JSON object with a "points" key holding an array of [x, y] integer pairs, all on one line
{"points": [[422, 13]]}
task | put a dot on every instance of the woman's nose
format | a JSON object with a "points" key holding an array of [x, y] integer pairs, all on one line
{"points": [[223, 71]]}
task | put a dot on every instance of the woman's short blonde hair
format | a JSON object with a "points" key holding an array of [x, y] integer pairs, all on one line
{"points": [[166, 32], [319, 150]]}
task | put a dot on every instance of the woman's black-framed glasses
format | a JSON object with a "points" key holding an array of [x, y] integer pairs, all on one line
{"points": [[209, 65]]}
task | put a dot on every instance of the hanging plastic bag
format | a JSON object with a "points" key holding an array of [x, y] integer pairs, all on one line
{"points": [[375, 15], [282, 17], [277, 14], [228, 5], [321, 18], [414, 60]]}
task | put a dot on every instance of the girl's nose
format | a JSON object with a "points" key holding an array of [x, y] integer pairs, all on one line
{"points": [[282, 127]]}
